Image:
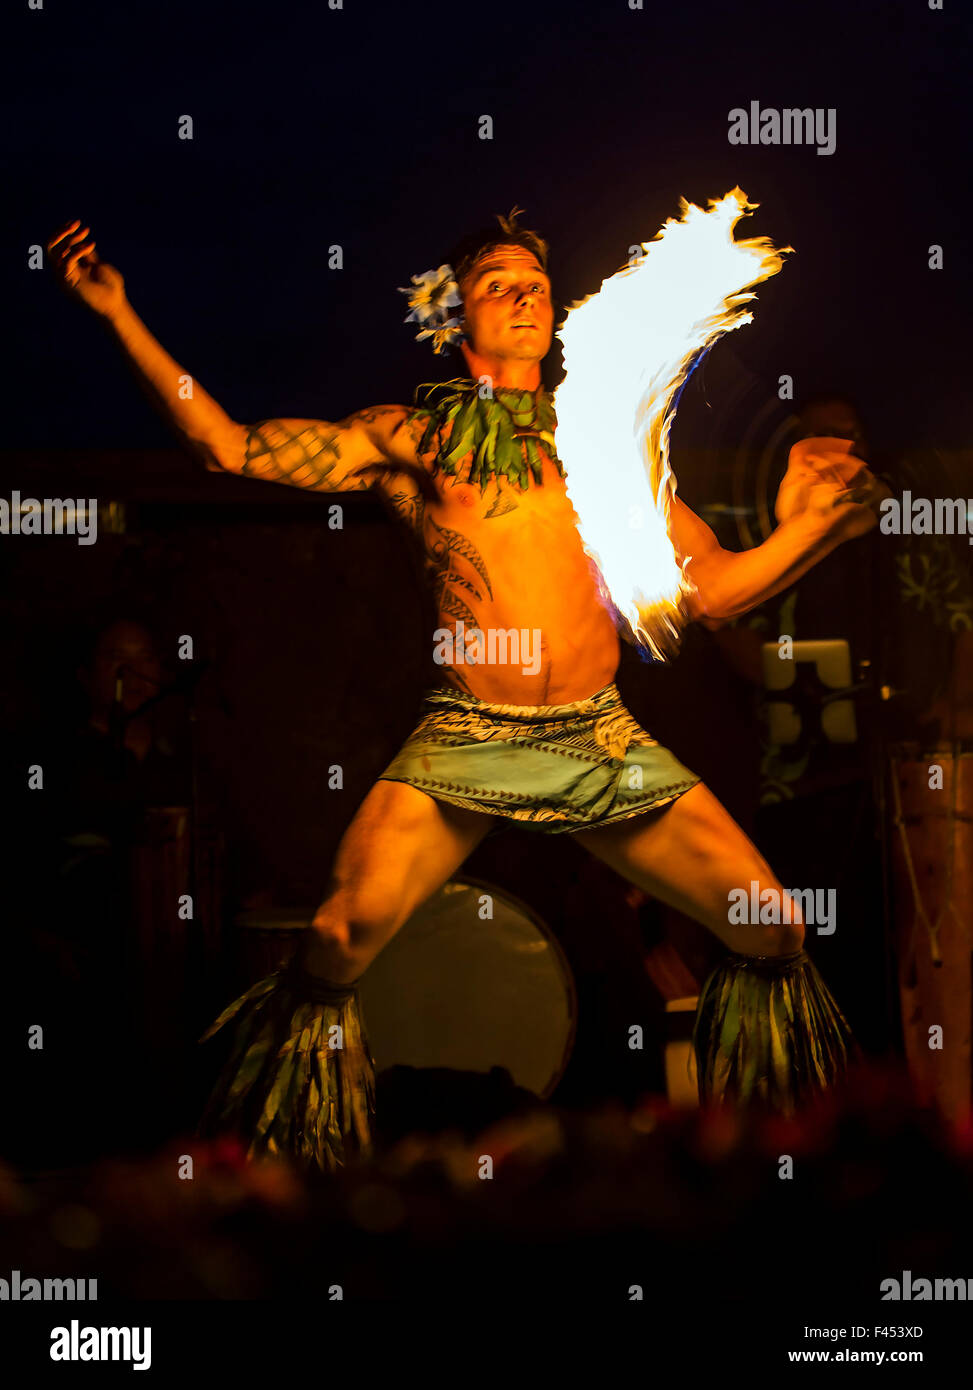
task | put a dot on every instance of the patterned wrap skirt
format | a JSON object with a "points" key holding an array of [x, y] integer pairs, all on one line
{"points": [[550, 767]]}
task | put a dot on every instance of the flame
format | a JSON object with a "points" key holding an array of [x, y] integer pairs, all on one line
{"points": [[628, 349]]}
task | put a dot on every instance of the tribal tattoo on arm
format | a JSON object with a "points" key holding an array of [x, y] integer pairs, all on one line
{"points": [[409, 507], [406, 480], [303, 455], [372, 413]]}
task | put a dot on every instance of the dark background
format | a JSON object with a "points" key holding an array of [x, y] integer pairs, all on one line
{"points": [[358, 127]]}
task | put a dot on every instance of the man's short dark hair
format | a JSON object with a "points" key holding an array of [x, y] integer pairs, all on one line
{"points": [[468, 251]]}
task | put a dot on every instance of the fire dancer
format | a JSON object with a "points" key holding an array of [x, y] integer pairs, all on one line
{"points": [[472, 468]]}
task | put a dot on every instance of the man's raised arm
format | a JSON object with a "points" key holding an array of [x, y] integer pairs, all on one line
{"points": [[303, 453]]}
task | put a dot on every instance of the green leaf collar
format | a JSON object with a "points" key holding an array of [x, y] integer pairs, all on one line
{"points": [[503, 432]]}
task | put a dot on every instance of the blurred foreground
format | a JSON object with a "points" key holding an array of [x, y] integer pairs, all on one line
{"points": [[686, 1205]]}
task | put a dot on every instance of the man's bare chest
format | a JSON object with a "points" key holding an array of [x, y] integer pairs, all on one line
{"points": [[482, 507]]}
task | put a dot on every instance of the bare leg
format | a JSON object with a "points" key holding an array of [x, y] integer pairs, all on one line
{"points": [[301, 1080], [401, 846], [690, 855], [766, 1030]]}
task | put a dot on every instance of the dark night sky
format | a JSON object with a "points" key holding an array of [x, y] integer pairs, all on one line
{"points": [[359, 126]]}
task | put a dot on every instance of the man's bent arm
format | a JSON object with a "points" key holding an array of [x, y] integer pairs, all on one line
{"points": [[729, 583]]}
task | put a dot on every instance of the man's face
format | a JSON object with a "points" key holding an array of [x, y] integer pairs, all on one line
{"points": [[507, 306], [123, 650]]}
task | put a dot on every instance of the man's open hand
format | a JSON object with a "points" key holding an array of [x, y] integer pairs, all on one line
{"points": [[82, 274], [824, 478]]}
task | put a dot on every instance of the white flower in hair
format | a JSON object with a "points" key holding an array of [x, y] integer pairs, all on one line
{"points": [[431, 296], [444, 336]]}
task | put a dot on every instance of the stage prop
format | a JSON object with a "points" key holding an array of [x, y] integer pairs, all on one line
{"points": [[810, 686]]}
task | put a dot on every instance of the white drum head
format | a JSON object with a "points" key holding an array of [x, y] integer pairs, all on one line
{"points": [[457, 987]]}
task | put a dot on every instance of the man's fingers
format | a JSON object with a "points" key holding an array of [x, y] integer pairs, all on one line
{"points": [[74, 240], [69, 258], [826, 469], [82, 259], [70, 234], [62, 233], [71, 262], [850, 477], [845, 472], [838, 459], [73, 249]]}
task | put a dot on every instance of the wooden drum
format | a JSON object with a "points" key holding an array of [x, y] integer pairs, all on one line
{"points": [[931, 802]]}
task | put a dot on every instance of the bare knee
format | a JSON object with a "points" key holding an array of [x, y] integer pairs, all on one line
{"points": [[347, 932], [781, 940], [763, 919], [786, 936]]}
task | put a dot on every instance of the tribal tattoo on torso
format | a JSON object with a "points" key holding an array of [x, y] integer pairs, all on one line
{"points": [[453, 566]]}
